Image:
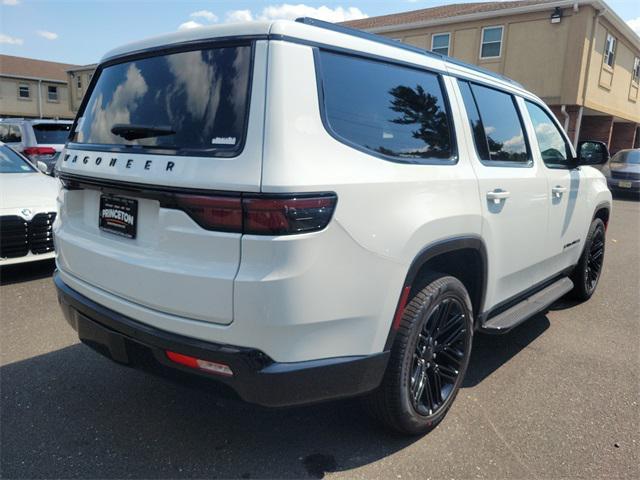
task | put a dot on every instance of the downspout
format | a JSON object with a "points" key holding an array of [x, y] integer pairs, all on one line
{"points": [[40, 97], [563, 110]]}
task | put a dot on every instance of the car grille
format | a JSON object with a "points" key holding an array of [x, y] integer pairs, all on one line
{"points": [[14, 236], [625, 175], [18, 236], [41, 232]]}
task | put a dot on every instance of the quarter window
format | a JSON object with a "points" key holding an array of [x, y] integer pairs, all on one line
{"points": [[496, 125], [10, 133], [554, 150], [440, 43], [52, 93], [491, 42], [610, 50], [397, 112], [24, 91]]}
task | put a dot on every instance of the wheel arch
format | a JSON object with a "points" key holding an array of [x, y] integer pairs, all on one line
{"points": [[462, 257], [603, 212]]}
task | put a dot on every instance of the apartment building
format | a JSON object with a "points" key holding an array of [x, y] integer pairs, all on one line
{"points": [[78, 78], [579, 56], [32, 88]]}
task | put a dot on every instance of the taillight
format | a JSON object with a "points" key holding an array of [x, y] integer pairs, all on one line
{"points": [[213, 213], [258, 214], [39, 151], [283, 216]]}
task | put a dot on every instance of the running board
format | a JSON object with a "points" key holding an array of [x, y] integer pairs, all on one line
{"points": [[524, 310]]}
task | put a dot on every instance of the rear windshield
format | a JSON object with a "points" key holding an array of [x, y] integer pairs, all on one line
{"points": [[11, 162], [628, 156], [52, 132], [186, 103]]}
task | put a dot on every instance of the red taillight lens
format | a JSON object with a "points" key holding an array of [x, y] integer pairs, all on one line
{"points": [[199, 364], [258, 214], [287, 215], [39, 151], [213, 213]]}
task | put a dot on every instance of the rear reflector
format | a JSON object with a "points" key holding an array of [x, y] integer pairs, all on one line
{"points": [[199, 364], [401, 306]]}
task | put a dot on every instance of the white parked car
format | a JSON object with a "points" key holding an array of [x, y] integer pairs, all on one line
{"points": [[27, 210], [308, 212], [40, 140]]}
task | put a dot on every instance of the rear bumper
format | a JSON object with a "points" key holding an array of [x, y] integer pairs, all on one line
{"points": [[621, 185], [256, 377]]}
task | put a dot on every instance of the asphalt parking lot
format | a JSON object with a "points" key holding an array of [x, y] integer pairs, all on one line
{"points": [[556, 398]]}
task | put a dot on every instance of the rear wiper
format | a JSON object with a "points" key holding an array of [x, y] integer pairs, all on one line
{"points": [[133, 132]]}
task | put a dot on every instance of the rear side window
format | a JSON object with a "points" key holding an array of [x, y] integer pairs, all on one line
{"points": [[396, 112], [51, 132], [188, 103], [496, 125]]}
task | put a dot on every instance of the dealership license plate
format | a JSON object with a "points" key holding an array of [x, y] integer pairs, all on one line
{"points": [[624, 184], [119, 215]]}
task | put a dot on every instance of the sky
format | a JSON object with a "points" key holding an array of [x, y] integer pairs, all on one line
{"points": [[81, 31]]}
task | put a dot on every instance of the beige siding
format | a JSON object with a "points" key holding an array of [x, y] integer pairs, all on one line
{"points": [[609, 89], [552, 60], [11, 105], [78, 93]]}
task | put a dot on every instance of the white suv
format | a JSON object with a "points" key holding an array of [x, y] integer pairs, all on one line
{"points": [[307, 212]]}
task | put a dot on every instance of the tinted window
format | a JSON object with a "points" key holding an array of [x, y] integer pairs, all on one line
{"points": [[51, 132], [501, 124], [394, 111], [553, 148], [474, 120], [11, 162], [192, 102]]}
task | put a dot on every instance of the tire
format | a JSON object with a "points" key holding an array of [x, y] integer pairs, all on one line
{"points": [[417, 360], [586, 274]]}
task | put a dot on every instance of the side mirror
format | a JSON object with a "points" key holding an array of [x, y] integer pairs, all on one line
{"points": [[42, 167], [591, 152]]}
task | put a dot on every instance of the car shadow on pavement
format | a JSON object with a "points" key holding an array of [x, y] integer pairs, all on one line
{"points": [[24, 272], [74, 414], [490, 352]]}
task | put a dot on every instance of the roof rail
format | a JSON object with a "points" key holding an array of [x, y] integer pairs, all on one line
{"points": [[394, 43], [366, 35]]}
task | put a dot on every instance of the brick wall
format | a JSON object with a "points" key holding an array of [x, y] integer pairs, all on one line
{"points": [[623, 136], [596, 127]]}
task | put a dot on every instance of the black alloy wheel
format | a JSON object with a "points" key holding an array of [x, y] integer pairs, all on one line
{"points": [[438, 356], [429, 357], [586, 274]]}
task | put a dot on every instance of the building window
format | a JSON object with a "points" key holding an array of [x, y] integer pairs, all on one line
{"points": [[491, 42], [440, 43], [52, 93], [79, 82], [636, 70], [24, 91], [610, 50]]}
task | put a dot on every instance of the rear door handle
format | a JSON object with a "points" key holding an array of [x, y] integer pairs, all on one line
{"points": [[498, 195], [558, 190]]}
